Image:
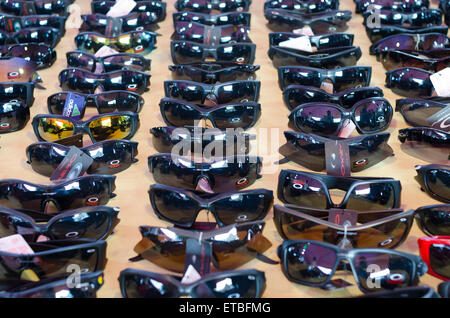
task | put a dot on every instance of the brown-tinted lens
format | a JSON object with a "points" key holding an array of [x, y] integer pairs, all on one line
{"points": [[111, 127], [296, 228], [386, 235], [52, 129]]}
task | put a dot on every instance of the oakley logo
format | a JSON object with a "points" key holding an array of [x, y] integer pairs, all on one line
{"points": [[242, 182], [241, 218], [396, 278], [132, 87], [234, 295], [92, 201], [4, 125], [72, 234], [240, 60], [139, 48], [13, 75], [380, 119], [140, 28], [360, 163], [114, 164], [297, 186], [386, 242]]}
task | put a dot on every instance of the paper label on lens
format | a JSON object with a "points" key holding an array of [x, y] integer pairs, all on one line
{"points": [[306, 30], [74, 106], [440, 81], [121, 8], [301, 43], [190, 276], [347, 128], [441, 119], [15, 244], [104, 51]]}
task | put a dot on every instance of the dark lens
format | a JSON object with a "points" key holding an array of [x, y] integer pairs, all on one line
{"points": [[324, 120], [48, 36], [14, 92], [304, 191], [238, 92], [410, 82], [81, 60], [185, 52], [235, 116], [174, 206], [234, 286], [41, 54], [386, 235], [77, 80], [126, 80], [374, 196], [45, 158], [374, 115], [440, 259], [91, 43], [56, 103], [92, 225], [401, 42], [188, 91], [13, 116], [416, 112], [436, 220], [179, 115], [237, 53], [351, 78], [11, 224], [425, 143], [140, 286], [301, 76], [111, 157], [438, 182], [118, 62], [295, 96], [108, 102], [368, 151]]}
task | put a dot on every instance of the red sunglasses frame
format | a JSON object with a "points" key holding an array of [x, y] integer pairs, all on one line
{"points": [[424, 248]]}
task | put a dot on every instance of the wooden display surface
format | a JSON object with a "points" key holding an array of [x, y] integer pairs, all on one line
{"points": [[132, 184]]}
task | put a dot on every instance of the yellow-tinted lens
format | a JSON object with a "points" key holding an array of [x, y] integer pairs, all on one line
{"points": [[124, 43], [52, 129], [111, 127]]}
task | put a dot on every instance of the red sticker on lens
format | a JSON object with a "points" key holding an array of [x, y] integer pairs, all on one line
{"points": [[4, 126], [139, 48], [13, 75], [114, 164], [92, 201], [360, 163], [132, 87], [241, 182]]}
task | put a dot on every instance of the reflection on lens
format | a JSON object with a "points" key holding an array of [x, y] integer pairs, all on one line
{"points": [[440, 259], [437, 220], [53, 129], [111, 127], [375, 196], [439, 182], [238, 286], [137, 286], [305, 191]]}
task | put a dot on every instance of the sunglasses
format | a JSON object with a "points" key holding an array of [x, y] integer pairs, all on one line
{"points": [[49, 7], [16, 23], [320, 42], [383, 31], [13, 116], [372, 229], [314, 263], [407, 292], [97, 223], [416, 111], [234, 18], [110, 156], [187, 52], [231, 246], [52, 258], [180, 113], [118, 125], [394, 5], [395, 59], [327, 58], [220, 93], [313, 190], [142, 42], [41, 54], [134, 21], [369, 116], [11, 92], [207, 6], [181, 207], [435, 252], [295, 95], [46, 35], [82, 81], [445, 7], [425, 143], [422, 18], [309, 6], [280, 20], [410, 82], [155, 7], [247, 283], [109, 63], [308, 150], [16, 69], [54, 287], [213, 72], [411, 42], [434, 219], [341, 78], [444, 289], [224, 174], [71, 194], [200, 140], [435, 180], [105, 102], [210, 35]]}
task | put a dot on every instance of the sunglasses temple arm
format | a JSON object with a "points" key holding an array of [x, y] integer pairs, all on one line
{"points": [[263, 258]]}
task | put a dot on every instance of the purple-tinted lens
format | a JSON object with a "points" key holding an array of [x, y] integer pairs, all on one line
{"points": [[191, 31], [118, 62], [434, 41], [318, 119], [373, 115], [304, 191], [398, 42], [81, 60], [78, 81], [410, 82]]}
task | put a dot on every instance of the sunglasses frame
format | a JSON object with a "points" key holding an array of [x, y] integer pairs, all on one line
{"points": [[51, 53], [211, 19], [155, 4], [30, 91], [376, 34], [418, 39], [211, 5], [424, 249], [419, 215], [316, 40], [407, 17], [421, 178]]}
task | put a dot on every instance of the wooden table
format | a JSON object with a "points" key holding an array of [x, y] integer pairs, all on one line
{"points": [[132, 184]]}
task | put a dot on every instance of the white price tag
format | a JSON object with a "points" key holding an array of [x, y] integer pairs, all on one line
{"points": [[190, 276], [441, 82], [105, 50], [306, 30], [347, 128], [121, 8], [301, 43]]}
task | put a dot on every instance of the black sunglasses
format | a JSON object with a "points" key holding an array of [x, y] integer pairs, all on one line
{"points": [[416, 111], [46, 35], [421, 18], [247, 283], [13, 116], [110, 156], [181, 207], [434, 219], [308, 6], [105, 102], [341, 78], [326, 58], [134, 21], [210, 35], [234, 18], [71, 194], [444, 5], [295, 95], [406, 292], [157, 7], [186, 52], [320, 42], [312, 190], [410, 82], [223, 174], [377, 33], [314, 263], [435, 180], [48, 7], [393, 59], [308, 150], [370, 115], [97, 223], [17, 92], [42, 54], [207, 6], [12, 23], [411, 42], [426, 143], [402, 6]]}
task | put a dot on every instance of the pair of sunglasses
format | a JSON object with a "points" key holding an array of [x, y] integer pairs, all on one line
{"points": [[46, 35], [54, 287], [326, 58], [110, 156], [314, 263], [210, 35], [280, 20], [313, 190], [82, 191], [49, 7], [295, 95], [383, 31], [224, 174], [97, 223], [411, 42], [16, 69], [434, 219], [393, 59], [105, 102], [82, 81], [403, 6], [213, 72], [231, 246], [406, 292], [180, 113], [209, 142], [41, 54], [320, 42], [234, 18], [309, 6], [435, 252], [104, 24], [157, 7], [142, 42], [247, 283], [207, 6], [186, 52], [341, 78], [435, 180], [410, 82], [370, 115], [118, 125], [416, 111], [371, 229], [13, 116], [51, 258], [181, 207], [422, 18], [12, 92], [109, 63], [308, 150], [12, 23]]}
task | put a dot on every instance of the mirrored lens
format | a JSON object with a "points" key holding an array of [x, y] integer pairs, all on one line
{"points": [[53, 129], [111, 127]]}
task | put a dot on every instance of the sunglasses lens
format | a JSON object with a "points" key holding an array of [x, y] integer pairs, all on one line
{"points": [[235, 116], [440, 259], [351, 98], [40, 54], [235, 286], [11, 224], [427, 144], [13, 116], [119, 62], [81, 60], [304, 191], [179, 115], [76, 80], [410, 82], [108, 102], [375, 196], [47, 36], [14, 92], [323, 120], [297, 96], [438, 182], [310, 263], [186, 91], [174, 206], [92, 225], [44, 159], [299, 76], [111, 127], [436, 220], [242, 208], [185, 52], [417, 112], [137, 286], [53, 129], [56, 103], [373, 115], [236, 54], [90, 42]]}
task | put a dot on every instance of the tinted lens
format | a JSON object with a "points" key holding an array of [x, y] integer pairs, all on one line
{"points": [[295, 96], [53, 129], [235, 116], [179, 115], [126, 80], [13, 116], [235, 286], [108, 102], [185, 90], [438, 182], [140, 286], [111, 127], [242, 208], [416, 112], [92, 225], [233, 175], [237, 53], [41, 54], [56, 103], [174, 206], [373, 115], [238, 92], [427, 144], [410, 82], [44, 35], [78, 81], [81, 60], [318, 119], [185, 52], [119, 62], [14, 92], [11, 224], [374, 196], [111, 157], [299, 76], [402, 42], [45, 158], [440, 259], [304, 191], [436, 220]]}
